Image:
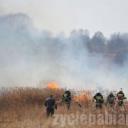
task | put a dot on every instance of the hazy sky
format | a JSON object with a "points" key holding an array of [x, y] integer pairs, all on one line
{"points": [[107, 16]]}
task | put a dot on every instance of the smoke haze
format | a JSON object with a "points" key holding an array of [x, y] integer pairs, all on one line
{"points": [[29, 57]]}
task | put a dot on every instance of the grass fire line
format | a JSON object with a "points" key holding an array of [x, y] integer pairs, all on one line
{"points": [[24, 106]]}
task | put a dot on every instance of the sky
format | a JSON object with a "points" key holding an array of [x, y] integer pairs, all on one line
{"points": [[29, 57], [57, 16]]}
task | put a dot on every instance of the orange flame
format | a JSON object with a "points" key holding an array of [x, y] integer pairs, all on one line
{"points": [[82, 97], [53, 86]]}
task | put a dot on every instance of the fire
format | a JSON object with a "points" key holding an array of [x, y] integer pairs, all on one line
{"points": [[82, 97], [53, 86]]}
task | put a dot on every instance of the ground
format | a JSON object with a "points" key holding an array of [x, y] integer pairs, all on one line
{"points": [[32, 115]]}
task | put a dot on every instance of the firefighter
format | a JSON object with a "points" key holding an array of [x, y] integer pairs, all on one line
{"points": [[111, 99], [50, 105], [66, 98], [120, 97], [99, 100]]}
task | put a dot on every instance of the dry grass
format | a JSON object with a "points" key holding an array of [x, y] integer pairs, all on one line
{"points": [[23, 108], [20, 97]]}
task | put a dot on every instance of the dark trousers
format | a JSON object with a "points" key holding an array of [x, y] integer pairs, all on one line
{"points": [[50, 112]]}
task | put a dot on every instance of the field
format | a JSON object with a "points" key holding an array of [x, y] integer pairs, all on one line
{"points": [[23, 108]]}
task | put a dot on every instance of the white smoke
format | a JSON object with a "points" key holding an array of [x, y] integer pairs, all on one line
{"points": [[32, 58]]}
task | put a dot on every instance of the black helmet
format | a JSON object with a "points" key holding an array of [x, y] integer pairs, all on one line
{"points": [[68, 93]]}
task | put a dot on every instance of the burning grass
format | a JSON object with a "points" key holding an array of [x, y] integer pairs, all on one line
{"points": [[53, 86], [23, 107]]}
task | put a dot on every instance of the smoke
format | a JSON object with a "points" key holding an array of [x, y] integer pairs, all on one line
{"points": [[29, 57]]}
